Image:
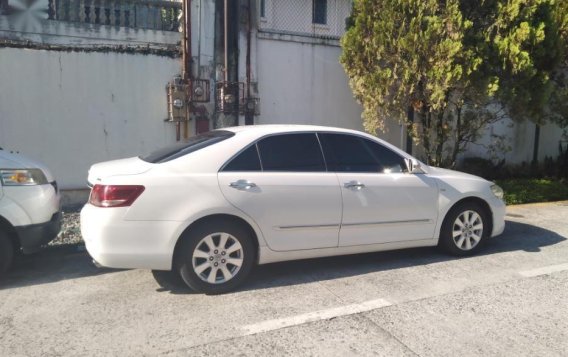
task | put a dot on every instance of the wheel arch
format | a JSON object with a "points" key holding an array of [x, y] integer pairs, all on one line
{"points": [[218, 217], [6, 226], [471, 199]]}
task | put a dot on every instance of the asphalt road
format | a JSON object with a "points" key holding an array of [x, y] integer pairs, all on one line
{"points": [[512, 300]]}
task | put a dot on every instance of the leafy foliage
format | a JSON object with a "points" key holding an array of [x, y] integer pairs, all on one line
{"points": [[458, 64], [518, 191]]}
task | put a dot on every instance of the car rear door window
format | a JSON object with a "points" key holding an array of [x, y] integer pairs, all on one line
{"points": [[351, 153], [247, 160], [291, 152]]}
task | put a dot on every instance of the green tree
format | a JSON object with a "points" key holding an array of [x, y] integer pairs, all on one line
{"points": [[450, 60]]}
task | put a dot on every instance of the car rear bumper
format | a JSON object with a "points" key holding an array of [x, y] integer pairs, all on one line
{"points": [[115, 243], [33, 236]]}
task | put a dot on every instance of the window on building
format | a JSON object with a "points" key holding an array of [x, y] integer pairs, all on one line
{"points": [[262, 8], [319, 12]]}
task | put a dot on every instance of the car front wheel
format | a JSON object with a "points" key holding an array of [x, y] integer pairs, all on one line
{"points": [[216, 258], [464, 230]]}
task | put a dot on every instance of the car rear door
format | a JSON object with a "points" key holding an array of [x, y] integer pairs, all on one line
{"points": [[382, 202], [281, 182]]}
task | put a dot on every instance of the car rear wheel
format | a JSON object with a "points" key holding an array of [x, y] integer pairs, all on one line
{"points": [[216, 258], [6, 252], [464, 230]]}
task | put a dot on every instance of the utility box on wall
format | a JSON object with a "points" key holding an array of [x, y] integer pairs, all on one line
{"points": [[177, 102]]}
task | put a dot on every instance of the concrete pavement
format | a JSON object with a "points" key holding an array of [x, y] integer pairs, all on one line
{"points": [[510, 300]]}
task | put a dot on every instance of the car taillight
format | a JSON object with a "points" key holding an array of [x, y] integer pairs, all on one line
{"points": [[115, 195]]}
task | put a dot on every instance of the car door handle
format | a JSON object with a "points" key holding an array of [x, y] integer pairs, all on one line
{"points": [[354, 185], [242, 184]]}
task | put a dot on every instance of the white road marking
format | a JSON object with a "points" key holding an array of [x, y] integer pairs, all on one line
{"points": [[276, 324], [544, 270]]}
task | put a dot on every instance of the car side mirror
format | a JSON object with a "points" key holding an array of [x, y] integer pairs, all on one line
{"points": [[414, 166]]}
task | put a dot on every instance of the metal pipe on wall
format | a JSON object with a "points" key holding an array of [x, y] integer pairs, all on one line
{"points": [[187, 64], [249, 117], [226, 39]]}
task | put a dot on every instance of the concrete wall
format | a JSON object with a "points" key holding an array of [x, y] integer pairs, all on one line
{"points": [[72, 109], [520, 141], [304, 83]]}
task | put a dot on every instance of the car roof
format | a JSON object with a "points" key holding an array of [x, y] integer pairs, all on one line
{"points": [[282, 128]]}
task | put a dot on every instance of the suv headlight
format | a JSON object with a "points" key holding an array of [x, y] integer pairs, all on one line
{"points": [[497, 191], [22, 177]]}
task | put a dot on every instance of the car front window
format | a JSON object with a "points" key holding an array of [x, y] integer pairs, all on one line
{"points": [[350, 153]]}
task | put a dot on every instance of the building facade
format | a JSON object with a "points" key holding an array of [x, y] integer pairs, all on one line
{"points": [[84, 81]]}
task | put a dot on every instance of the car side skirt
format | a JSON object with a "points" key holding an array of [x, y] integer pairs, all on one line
{"points": [[266, 255]]}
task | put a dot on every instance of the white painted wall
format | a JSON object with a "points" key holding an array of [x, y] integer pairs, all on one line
{"points": [[520, 139], [72, 109], [304, 83]]}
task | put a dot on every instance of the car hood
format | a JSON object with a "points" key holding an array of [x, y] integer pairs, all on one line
{"points": [[10, 160], [439, 172], [130, 166]]}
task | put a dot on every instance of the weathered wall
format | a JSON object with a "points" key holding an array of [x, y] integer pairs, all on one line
{"points": [[72, 109], [304, 83], [520, 141]]}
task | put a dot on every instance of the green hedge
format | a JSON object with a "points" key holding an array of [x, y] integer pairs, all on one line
{"points": [[519, 191]]}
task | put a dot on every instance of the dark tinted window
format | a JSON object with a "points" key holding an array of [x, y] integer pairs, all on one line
{"points": [[245, 161], [390, 161], [319, 12], [190, 145], [349, 153], [262, 8], [291, 152]]}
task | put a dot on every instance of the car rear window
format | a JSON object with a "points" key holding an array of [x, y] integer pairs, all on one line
{"points": [[192, 144]]}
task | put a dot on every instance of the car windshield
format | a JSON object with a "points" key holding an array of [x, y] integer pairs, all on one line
{"points": [[188, 146]]}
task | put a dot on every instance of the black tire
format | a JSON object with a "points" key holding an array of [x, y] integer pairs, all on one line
{"points": [[169, 280], [459, 245], [6, 252], [195, 238]]}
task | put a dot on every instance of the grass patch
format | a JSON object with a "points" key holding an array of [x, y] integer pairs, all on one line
{"points": [[519, 191]]}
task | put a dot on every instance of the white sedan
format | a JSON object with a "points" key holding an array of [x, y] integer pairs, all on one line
{"points": [[214, 206]]}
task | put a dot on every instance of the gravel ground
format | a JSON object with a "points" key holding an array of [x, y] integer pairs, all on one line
{"points": [[70, 230]]}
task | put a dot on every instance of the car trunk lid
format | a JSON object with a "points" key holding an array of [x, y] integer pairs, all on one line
{"points": [[130, 166]]}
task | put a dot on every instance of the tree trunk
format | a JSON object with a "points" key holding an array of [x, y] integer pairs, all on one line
{"points": [[534, 164], [426, 118], [409, 129], [456, 149], [440, 138]]}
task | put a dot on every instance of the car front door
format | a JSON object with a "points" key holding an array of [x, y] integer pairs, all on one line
{"points": [[382, 202], [281, 182]]}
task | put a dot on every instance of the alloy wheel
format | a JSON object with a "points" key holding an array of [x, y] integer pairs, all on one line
{"points": [[467, 230], [217, 258]]}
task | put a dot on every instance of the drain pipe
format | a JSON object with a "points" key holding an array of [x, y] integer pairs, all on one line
{"points": [[249, 117], [186, 66], [231, 62], [226, 39]]}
